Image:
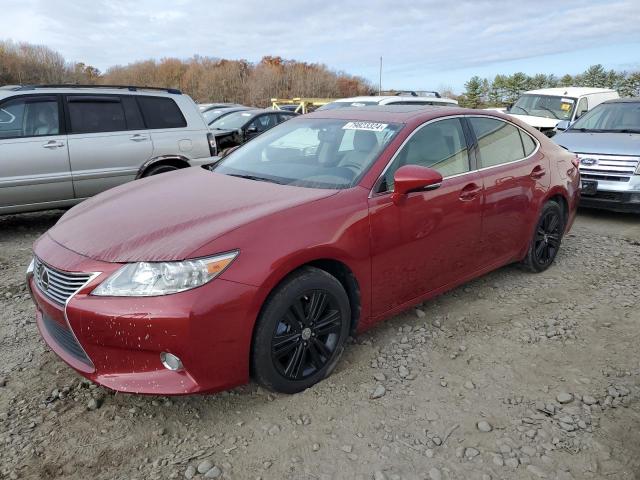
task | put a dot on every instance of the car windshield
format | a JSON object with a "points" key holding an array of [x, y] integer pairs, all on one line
{"points": [[313, 153], [334, 105], [623, 117], [548, 106], [232, 121], [214, 114]]}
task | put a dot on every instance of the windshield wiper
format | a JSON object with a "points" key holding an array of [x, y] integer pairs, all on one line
{"points": [[517, 106], [551, 111], [623, 130], [253, 177]]}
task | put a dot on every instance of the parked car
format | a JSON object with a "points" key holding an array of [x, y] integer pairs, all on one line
{"points": [[62, 144], [389, 100], [212, 115], [239, 127], [607, 140], [546, 107], [317, 229], [212, 106]]}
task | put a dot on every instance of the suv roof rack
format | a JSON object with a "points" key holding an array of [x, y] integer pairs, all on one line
{"points": [[131, 88]]}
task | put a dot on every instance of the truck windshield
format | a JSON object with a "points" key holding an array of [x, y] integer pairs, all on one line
{"points": [[548, 106], [623, 117]]}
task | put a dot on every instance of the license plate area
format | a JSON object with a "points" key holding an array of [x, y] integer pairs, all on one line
{"points": [[589, 187]]}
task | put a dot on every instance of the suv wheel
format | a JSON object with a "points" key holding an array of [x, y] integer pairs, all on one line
{"points": [[546, 238], [158, 169], [301, 332]]}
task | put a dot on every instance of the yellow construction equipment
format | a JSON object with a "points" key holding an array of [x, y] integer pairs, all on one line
{"points": [[302, 104]]}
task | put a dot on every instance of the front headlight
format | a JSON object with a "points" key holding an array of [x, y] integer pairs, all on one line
{"points": [[149, 279]]}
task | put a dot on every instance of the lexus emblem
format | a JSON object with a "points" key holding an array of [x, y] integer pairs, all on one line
{"points": [[44, 279], [588, 162]]}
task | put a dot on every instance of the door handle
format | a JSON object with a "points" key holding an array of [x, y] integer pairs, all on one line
{"points": [[138, 138], [469, 192], [538, 172], [53, 144]]}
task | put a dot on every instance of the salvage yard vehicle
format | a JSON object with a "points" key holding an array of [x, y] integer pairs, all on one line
{"points": [[60, 144], [239, 127], [390, 100], [214, 114], [315, 230], [607, 141], [545, 108]]}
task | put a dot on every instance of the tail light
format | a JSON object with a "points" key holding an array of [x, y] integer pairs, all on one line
{"points": [[211, 140]]}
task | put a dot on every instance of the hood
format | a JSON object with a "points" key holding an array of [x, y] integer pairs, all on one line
{"points": [[168, 216], [537, 122], [601, 143]]}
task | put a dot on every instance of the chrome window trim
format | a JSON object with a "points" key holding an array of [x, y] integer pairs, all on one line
{"points": [[373, 193]]}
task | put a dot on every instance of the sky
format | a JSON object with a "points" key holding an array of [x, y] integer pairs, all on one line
{"points": [[425, 44]]}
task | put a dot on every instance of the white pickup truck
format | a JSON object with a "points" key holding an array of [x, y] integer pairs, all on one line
{"points": [[545, 108]]}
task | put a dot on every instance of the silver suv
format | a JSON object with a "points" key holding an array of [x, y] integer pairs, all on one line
{"points": [[60, 144]]}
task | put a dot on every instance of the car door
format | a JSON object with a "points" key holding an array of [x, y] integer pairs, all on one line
{"points": [[34, 160], [515, 175], [108, 142], [429, 241]]}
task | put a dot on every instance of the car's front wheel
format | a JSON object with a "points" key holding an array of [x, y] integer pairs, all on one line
{"points": [[546, 238], [301, 331]]}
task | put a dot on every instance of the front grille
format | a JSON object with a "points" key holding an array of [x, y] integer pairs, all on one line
{"points": [[65, 338], [612, 168], [57, 285]]}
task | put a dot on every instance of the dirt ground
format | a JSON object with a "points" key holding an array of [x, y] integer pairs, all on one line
{"points": [[512, 376]]}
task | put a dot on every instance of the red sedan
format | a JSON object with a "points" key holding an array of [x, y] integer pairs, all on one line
{"points": [[263, 263]]}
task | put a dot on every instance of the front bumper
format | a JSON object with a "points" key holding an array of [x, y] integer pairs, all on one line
{"points": [[615, 196], [117, 341]]}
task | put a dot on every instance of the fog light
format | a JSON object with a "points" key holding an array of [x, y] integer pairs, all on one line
{"points": [[170, 361]]}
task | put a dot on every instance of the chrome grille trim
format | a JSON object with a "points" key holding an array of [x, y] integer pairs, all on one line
{"points": [[57, 285], [614, 168]]}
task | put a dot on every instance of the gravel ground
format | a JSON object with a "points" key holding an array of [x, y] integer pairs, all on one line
{"points": [[512, 376]]}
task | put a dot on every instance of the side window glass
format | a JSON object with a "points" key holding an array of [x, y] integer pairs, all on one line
{"points": [[29, 117], [440, 145], [96, 114], [583, 106], [499, 142], [528, 143], [132, 113], [161, 112]]}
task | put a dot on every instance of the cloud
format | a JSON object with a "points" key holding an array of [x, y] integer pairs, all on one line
{"points": [[416, 37]]}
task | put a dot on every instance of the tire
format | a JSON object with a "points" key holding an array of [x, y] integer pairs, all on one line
{"points": [[547, 238], [158, 169], [301, 332]]}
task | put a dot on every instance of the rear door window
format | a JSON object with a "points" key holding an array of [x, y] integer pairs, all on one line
{"points": [[132, 113], [96, 114], [499, 142], [29, 117], [161, 112]]}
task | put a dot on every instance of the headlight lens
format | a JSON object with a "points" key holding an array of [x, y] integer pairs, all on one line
{"points": [[148, 279]]}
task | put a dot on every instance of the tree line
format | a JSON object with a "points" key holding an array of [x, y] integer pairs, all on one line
{"points": [[203, 78], [504, 90]]}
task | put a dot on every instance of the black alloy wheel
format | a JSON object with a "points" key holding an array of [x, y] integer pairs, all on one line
{"points": [[307, 335], [547, 238], [301, 331]]}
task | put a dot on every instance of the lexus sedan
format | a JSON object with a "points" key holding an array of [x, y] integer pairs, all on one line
{"points": [[263, 263]]}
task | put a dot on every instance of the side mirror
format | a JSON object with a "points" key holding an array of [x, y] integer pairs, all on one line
{"points": [[252, 129], [563, 125], [414, 178]]}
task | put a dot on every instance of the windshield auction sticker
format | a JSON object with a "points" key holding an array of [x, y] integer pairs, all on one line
{"points": [[369, 126]]}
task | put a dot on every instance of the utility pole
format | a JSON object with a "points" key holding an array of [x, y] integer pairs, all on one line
{"points": [[380, 82]]}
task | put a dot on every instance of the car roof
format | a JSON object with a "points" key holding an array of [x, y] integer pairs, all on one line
{"points": [[569, 91], [379, 98], [624, 100], [395, 113], [9, 91]]}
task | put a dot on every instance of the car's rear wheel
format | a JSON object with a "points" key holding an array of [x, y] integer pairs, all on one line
{"points": [[301, 332], [547, 238], [158, 169]]}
